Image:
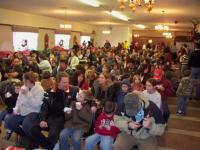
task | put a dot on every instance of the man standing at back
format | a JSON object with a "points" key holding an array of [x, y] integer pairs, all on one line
{"points": [[194, 65]]}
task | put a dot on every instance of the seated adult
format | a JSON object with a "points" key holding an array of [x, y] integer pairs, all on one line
{"points": [[47, 81], [79, 80], [29, 100], [141, 124], [73, 60], [104, 88], [51, 117], [44, 64], [15, 70], [32, 66], [62, 67]]}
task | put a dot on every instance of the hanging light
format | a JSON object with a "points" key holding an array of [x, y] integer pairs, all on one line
{"points": [[65, 26], [149, 1], [122, 6], [150, 41], [136, 35], [140, 26], [106, 31], [62, 26], [108, 28], [134, 3], [161, 27], [167, 33], [169, 36], [139, 2], [149, 7]]}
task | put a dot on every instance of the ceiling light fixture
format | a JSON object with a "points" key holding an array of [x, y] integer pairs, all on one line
{"points": [[141, 26], [93, 3], [108, 28], [106, 31], [167, 33], [65, 26], [137, 3], [150, 41], [161, 27], [118, 15], [169, 36], [136, 35]]}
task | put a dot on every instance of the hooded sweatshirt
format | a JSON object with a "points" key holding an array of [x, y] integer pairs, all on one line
{"points": [[169, 91], [105, 126], [150, 109]]}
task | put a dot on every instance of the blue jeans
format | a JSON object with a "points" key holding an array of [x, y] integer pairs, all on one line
{"points": [[3, 115], [75, 135], [32, 130], [182, 103], [195, 74], [105, 142], [13, 122], [165, 110]]}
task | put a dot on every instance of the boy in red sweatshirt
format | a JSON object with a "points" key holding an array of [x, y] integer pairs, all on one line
{"points": [[105, 130]]}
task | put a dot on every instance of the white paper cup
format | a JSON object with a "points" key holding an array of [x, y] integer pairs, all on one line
{"points": [[67, 109], [78, 104]]}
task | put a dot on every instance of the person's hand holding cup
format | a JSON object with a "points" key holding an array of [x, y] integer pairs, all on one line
{"points": [[24, 90], [78, 105], [68, 110], [93, 109]]}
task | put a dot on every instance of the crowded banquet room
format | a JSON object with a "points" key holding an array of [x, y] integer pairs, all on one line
{"points": [[99, 75]]}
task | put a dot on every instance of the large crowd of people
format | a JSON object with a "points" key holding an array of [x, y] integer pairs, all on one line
{"points": [[114, 97]]}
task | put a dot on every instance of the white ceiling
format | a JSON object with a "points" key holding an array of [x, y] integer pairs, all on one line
{"points": [[182, 11]]}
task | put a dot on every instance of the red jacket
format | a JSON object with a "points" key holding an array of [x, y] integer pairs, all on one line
{"points": [[85, 86], [105, 126], [169, 91]]}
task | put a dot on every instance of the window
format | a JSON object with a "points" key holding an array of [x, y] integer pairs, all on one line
{"points": [[62, 40], [85, 39], [25, 41]]}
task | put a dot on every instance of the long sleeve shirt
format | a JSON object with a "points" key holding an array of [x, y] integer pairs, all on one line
{"points": [[29, 102]]}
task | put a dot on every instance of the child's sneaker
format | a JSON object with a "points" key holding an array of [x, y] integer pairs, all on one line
{"points": [[135, 147], [183, 113], [180, 113]]}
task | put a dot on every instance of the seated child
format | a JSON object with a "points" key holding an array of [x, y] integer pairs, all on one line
{"points": [[105, 130], [77, 121], [10, 101]]}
